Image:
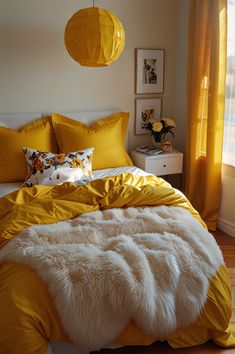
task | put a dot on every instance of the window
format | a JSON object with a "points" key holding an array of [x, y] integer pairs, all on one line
{"points": [[229, 120]]}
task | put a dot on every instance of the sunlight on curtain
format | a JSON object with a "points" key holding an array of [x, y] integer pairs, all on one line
{"points": [[202, 118], [229, 119], [206, 100]]}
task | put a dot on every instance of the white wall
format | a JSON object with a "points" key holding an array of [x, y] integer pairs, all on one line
{"points": [[37, 74], [227, 210]]}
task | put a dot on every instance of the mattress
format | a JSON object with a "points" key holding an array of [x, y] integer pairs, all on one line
{"points": [[6, 188]]}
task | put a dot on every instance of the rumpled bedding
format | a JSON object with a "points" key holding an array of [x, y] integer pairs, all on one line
{"points": [[27, 305], [6, 188]]}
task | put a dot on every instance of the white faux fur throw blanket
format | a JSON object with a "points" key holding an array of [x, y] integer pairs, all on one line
{"points": [[103, 269]]}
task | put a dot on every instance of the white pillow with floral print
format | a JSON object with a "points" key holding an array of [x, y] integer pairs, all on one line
{"points": [[48, 168]]}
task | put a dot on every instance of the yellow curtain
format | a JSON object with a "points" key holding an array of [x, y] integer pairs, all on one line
{"points": [[206, 101]]}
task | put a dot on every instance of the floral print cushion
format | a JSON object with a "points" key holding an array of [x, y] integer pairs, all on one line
{"points": [[48, 168]]}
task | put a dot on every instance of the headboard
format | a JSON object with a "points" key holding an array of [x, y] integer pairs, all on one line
{"points": [[17, 120]]}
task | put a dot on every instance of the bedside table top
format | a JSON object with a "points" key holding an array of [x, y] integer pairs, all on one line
{"points": [[163, 154]]}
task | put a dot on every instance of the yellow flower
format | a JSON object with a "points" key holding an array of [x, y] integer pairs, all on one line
{"points": [[76, 163], [157, 126], [60, 158], [169, 122], [39, 166], [50, 162]]}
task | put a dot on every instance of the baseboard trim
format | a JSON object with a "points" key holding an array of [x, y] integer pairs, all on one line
{"points": [[227, 227]]}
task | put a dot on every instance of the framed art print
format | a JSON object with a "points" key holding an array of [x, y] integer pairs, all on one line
{"points": [[146, 109], [149, 70]]}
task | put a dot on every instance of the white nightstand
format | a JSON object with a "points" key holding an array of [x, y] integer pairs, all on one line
{"points": [[163, 164]]}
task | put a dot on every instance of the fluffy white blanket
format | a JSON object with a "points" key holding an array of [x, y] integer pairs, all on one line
{"points": [[103, 269]]}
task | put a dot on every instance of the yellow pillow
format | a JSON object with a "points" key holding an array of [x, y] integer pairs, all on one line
{"points": [[37, 135], [107, 136]]}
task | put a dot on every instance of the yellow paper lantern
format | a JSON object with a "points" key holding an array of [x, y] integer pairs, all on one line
{"points": [[94, 37]]}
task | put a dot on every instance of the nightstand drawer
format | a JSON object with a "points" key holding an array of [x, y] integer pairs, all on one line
{"points": [[166, 163], [165, 166]]}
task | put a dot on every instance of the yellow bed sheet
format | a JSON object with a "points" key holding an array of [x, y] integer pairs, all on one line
{"points": [[28, 316]]}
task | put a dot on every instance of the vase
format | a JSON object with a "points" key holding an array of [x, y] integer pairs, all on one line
{"points": [[157, 144], [167, 143]]}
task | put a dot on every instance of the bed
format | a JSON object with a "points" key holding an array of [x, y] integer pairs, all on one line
{"points": [[113, 257]]}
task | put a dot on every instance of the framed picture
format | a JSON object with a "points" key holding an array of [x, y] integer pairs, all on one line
{"points": [[149, 70], [146, 109]]}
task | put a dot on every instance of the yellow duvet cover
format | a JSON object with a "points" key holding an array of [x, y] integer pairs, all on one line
{"points": [[29, 319]]}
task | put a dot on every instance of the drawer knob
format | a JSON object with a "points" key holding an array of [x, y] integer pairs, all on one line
{"points": [[164, 165]]}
